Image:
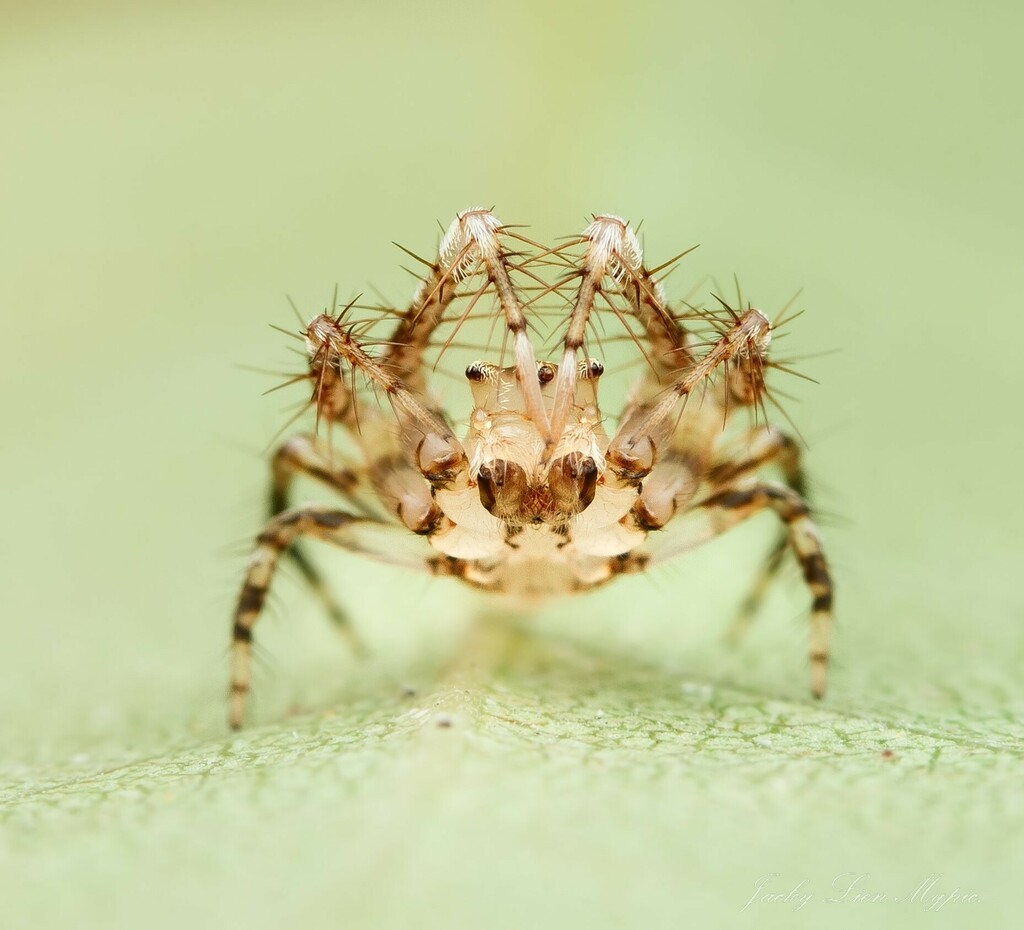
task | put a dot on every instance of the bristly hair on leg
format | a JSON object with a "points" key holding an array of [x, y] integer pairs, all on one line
{"points": [[472, 240], [612, 251], [746, 375]]}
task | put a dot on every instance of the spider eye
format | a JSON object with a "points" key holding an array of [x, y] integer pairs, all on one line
{"points": [[589, 368], [545, 372], [476, 372]]}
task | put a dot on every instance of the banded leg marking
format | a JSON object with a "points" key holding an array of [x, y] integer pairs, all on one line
{"points": [[324, 523], [767, 446], [302, 455], [735, 505]]}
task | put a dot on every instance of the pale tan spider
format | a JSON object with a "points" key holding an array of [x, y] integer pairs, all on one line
{"points": [[536, 499]]}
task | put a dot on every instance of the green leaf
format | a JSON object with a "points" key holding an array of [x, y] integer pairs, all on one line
{"points": [[531, 782]]}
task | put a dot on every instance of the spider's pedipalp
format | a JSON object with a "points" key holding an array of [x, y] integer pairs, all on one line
{"points": [[341, 348], [633, 451]]}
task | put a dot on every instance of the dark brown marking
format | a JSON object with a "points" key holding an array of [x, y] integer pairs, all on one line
{"points": [[440, 469], [271, 537], [794, 506], [816, 571], [332, 519], [240, 633], [630, 466], [486, 488], [251, 599], [447, 565], [588, 482], [429, 524], [645, 520], [822, 602], [732, 499], [502, 486], [572, 483], [628, 563]]}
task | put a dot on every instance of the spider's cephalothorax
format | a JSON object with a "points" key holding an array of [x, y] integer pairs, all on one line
{"points": [[538, 497]]}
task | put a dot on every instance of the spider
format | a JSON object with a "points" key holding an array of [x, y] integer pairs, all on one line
{"points": [[537, 498]]}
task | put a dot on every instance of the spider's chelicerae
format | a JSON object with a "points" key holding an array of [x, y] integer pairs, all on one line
{"points": [[540, 495]]}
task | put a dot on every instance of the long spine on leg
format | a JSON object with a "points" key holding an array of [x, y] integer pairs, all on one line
{"points": [[670, 349], [341, 344]]}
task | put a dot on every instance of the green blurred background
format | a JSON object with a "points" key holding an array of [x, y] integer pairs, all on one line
{"points": [[169, 171]]}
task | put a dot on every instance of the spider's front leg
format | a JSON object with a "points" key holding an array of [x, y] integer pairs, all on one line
{"points": [[612, 270]]}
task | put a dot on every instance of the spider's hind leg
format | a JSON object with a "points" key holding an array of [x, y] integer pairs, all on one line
{"points": [[767, 445], [734, 504], [751, 603], [303, 455]]}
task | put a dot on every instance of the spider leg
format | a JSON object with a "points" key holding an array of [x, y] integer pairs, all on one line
{"points": [[303, 455], [766, 446], [472, 242], [329, 525], [755, 596], [670, 341], [732, 505], [612, 267], [411, 335]]}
